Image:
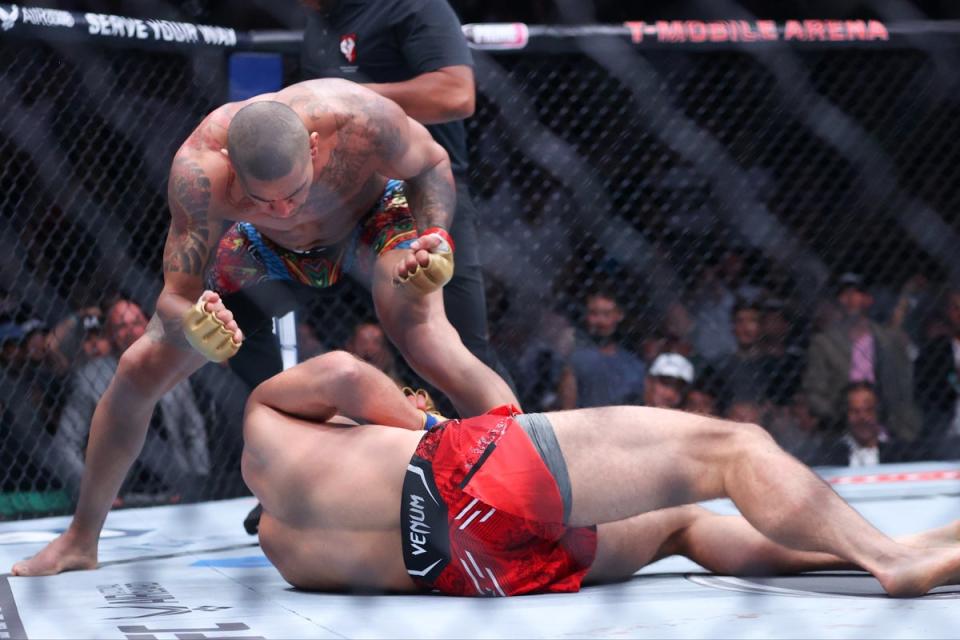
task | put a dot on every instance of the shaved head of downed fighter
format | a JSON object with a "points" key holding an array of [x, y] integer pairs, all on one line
{"points": [[509, 503]]}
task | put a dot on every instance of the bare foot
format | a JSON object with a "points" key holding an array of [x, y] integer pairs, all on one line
{"points": [[920, 571], [943, 536], [62, 554]]}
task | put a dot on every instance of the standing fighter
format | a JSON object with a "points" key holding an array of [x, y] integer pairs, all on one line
{"points": [[306, 173], [508, 503], [414, 52]]}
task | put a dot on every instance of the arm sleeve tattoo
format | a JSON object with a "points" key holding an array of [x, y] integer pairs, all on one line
{"points": [[189, 241]]}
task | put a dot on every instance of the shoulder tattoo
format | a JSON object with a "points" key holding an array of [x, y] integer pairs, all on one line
{"points": [[189, 243]]}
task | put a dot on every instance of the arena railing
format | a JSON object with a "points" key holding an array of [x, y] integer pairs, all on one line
{"points": [[680, 167]]}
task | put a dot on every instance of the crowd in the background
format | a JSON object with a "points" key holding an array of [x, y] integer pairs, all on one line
{"points": [[52, 380], [856, 385], [870, 373]]}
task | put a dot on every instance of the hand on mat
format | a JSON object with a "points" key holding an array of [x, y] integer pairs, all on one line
{"points": [[429, 265], [210, 328]]}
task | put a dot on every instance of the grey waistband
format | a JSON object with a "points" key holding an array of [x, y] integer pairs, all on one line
{"points": [[540, 432]]}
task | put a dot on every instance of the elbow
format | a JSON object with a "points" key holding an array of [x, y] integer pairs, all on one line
{"points": [[463, 104]]}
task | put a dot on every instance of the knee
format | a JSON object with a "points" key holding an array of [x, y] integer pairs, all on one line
{"points": [[746, 439], [338, 362], [731, 440], [142, 371], [134, 365], [341, 367]]}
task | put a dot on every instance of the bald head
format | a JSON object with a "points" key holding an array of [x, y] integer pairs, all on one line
{"points": [[266, 141]]}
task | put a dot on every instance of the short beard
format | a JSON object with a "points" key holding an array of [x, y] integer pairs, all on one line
{"points": [[603, 341]]}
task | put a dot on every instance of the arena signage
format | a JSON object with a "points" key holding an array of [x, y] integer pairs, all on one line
{"points": [[151, 600], [34, 16], [514, 35], [695, 31], [106, 25], [101, 24]]}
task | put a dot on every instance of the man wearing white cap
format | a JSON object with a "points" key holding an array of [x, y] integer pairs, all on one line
{"points": [[667, 381]]}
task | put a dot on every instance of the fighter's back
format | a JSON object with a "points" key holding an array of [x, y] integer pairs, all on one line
{"points": [[331, 499]]}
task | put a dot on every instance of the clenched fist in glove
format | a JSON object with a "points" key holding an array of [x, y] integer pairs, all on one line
{"points": [[431, 264], [210, 328]]}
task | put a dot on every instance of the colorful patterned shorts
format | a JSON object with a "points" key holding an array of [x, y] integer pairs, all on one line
{"points": [[246, 258]]}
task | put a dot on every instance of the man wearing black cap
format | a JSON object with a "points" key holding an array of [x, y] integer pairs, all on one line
{"points": [[857, 349]]}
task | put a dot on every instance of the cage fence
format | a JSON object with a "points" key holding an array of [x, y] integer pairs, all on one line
{"points": [[717, 200]]}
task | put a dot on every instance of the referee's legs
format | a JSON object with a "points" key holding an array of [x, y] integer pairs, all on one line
{"points": [[464, 297]]}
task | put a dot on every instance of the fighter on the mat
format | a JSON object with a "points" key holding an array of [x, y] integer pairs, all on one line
{"points": [[320, 178], [508, 504]]}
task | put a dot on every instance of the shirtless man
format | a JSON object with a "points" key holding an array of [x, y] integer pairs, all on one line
{"points": [[506, 504], [305, 175]]}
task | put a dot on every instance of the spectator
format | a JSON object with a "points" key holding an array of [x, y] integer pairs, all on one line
{"points": [[667, 381], [653, 344], [369, 343], [11, 345], [77, 339], [938, 384], [743, 373], [34, 340], [856, 349], [745, 410], [718, 288], [864, 442], [703, 397], [783, 360], [45, 378], [797, 430], [175, 457], [28, 395], [309, 343], [542, 360], [678, 326], [910, 307], [601, 372], [712, 307]]}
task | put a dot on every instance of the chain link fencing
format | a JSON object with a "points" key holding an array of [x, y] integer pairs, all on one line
{"points": [[738, 207]]}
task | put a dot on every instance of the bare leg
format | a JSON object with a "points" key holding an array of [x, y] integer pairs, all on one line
{"points": [[418, 326], [939, 537], [625, 461], [147, 370], [726, 545]]}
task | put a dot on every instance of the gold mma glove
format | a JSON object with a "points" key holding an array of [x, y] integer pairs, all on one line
{"points": [[439, 269], [431, 417], [207, 334]]}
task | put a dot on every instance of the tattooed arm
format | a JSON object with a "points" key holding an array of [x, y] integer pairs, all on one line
{"points": [[191, 240], [407, 151]]}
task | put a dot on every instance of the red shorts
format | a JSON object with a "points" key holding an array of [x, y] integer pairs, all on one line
{"points": [[482, 514]]}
